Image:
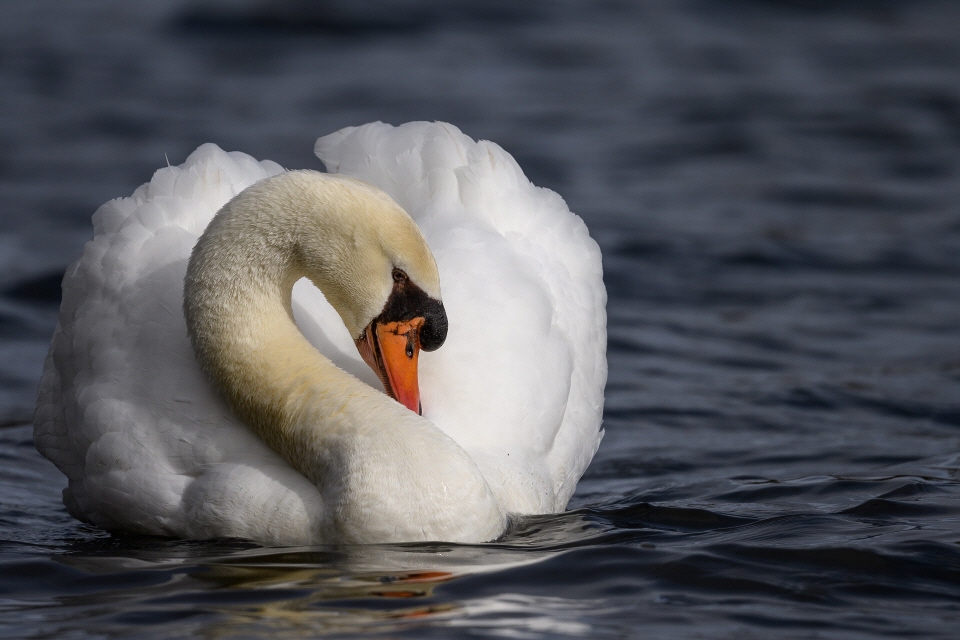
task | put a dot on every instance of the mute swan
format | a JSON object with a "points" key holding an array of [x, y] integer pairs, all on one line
{"points": [[279, 432]]}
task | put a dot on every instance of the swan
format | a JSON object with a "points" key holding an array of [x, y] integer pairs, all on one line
{"points": [[245, 351]]}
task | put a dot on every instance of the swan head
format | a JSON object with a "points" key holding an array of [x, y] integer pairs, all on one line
{"points": [[369, 258]]}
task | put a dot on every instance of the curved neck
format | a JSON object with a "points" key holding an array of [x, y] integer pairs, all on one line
{"points": [[353, 442], [237, 304]]}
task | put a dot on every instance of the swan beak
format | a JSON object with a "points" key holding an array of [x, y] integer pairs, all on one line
{"points": [[392, 349]]}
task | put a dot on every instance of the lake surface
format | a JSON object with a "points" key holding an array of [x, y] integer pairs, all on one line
{"points": [[774, 186]]}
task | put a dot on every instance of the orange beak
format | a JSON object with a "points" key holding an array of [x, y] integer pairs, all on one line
{"points": [[392, 350]]}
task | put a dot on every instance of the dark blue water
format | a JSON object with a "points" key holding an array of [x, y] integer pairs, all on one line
{"points": [[775, 189]]}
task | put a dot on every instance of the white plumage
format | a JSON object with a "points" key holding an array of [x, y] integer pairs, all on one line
{"points": [[147, 444]]}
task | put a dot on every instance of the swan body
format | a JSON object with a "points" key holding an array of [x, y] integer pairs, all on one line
{"points": [[200, 385]]}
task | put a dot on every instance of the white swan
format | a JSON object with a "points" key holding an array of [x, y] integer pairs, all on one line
{"points": [[294, 449]]}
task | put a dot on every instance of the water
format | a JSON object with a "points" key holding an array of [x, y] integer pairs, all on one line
{"points": [[774, 188]]}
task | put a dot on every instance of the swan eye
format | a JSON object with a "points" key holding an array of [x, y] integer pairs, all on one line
{"points": [[399, 276]]}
